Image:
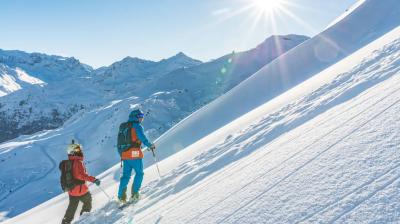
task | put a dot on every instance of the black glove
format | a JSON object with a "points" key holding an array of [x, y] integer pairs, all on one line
{"points": [[97, 182], [152, 147]]}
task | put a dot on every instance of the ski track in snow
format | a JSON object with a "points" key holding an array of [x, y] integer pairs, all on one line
{"points": [[253, 200], [260, 157], [391, 171], [281, 164], [370, 195], [381, 201]]}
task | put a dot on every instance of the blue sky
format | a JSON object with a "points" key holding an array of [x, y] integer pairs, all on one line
{"points": [[100, 32]]}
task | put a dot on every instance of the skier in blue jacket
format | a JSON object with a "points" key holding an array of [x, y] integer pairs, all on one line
{"points": [[132, 157]]}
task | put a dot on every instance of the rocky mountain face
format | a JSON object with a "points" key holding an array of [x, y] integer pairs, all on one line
{"points": [[38, 91]]}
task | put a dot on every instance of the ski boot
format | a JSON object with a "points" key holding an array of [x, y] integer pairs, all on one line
{"points": [[122, 199], [135, 197]]}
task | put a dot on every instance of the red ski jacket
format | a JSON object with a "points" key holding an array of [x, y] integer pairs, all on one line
{"points": [[79, 172]]}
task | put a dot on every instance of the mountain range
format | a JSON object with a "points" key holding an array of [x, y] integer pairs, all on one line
{"points": [[40, 92]]}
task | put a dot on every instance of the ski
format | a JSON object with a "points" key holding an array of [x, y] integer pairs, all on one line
{"points": [[127, 204]]}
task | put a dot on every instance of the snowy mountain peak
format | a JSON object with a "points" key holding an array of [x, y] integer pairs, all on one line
{"points": [[180, 58], [15, 57], [45, 67], [180, 54], [134, 60]]}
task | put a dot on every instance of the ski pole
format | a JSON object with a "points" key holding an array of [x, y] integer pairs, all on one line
{"points": [[109, 198], [156, 161]]}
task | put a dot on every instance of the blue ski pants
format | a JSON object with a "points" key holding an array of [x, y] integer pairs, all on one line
{"points": [[128, 165]]}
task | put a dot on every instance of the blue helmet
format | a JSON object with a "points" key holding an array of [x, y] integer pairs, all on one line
{"points": [[135, 115]]}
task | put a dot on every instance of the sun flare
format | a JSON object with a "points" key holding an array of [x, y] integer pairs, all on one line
{"points": [[267, 6]]}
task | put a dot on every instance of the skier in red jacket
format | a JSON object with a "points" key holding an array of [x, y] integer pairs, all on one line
{"points": [[81, 191]]}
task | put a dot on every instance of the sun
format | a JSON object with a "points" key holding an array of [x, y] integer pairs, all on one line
{"points": [[267, 6]]}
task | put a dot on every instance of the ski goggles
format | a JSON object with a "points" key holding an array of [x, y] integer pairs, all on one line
{"points": [[140, 115]]}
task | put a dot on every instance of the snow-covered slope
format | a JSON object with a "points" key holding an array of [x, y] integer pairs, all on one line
{"points": [[368, 21], [15, 79], [95, 125], [322, 152]]}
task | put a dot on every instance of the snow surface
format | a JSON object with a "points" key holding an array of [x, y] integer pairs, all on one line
{"points": [[324, 151], [347, 12], [14, 79]]}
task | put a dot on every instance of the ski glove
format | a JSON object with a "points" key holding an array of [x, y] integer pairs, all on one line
{"points": [[97, 182], [152, 147]]}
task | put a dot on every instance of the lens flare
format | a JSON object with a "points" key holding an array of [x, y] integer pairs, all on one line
{"points": [[267, 6]]}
